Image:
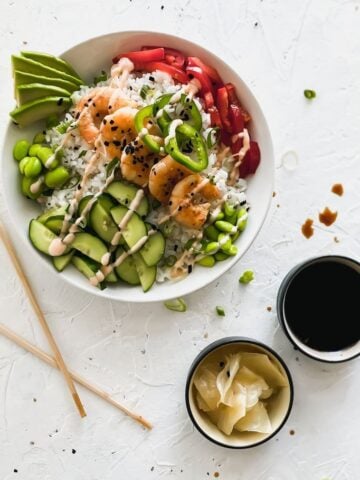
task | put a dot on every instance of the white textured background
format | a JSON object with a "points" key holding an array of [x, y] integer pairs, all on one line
{"points": [[142, 353]]}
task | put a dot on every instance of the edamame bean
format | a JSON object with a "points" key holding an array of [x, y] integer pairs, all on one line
{"points": [[208, 261], [59, 155], [22, 164], [57, 178], [225, 226], [39, 138], [25, 188], [225, 242], [232, 250], [232, 219], [241, 224], [32, 167], [33, 150], [211, 247], [235, 237], [220, 216], [52, 121], [220, 256], [21, 149], [229, 210], [44, 153], [212, 233]]}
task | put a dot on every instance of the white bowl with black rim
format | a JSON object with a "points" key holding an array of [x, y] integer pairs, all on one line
{"points": [[89, 58], [278, 411]]}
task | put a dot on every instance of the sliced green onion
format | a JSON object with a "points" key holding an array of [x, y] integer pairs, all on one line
{"points": [[170, 260], [176, 305], [102, 77], [247, 277], [63, 126], [309, 94], [110, 167], [144, 91], [213, 137], [220, 311], [82, 153]]}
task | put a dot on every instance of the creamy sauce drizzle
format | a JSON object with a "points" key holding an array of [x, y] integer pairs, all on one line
{"points": [[234, 175], [36, 186], [172, 130]]}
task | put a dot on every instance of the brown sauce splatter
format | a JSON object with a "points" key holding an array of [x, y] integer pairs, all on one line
{"points": [[292, 432], [216, 474], [338, 189], [327, 217], [307, 228], [336, 240], [268, 309]]}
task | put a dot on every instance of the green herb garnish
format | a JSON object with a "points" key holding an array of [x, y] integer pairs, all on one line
{"points": [[176, 305], [220, 311], [309, 94]]}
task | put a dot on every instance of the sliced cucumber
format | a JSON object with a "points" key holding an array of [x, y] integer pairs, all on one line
{"points": [[124, 193], [41, 236], [55, 223], [60, 263], [135, 228], [153, 250], [85, 266], [111, 278], [107, 202], [127, 270], [102, 223], [90, 246], [147, 275], [53, 212]]}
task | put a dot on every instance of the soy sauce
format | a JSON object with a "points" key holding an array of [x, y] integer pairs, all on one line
{"points": [[322, 306]]}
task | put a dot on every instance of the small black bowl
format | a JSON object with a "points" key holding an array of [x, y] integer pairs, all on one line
{"points": [[336, 356], [239, 440]]}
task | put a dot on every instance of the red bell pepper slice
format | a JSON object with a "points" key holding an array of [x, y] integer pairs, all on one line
{"points": [[209, 100], [154, 55], [174, 72], [196, 72], [172, 56], [215, 117], [236, 119], [226, 138], [251, 160], [210, 71], [222, 103], [233, 98]]}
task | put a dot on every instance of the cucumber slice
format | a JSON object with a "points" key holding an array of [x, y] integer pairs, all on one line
{"points": [[153, 250], [55, 223], [82, 204], [60, 263], [127, 270], [41, 236], [102, 223], [90, 246], [85, 266], [53, 212], [146, 274], [124, 193], [107, 202], [111, 278], [135, 228]]}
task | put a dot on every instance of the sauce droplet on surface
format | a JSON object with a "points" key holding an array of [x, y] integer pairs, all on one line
{"points": [[327, 217], [307, 228], [338, 189]]}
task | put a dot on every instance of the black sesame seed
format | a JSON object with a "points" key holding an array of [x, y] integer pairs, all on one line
{"points": [[228, 373], [110, 107], [111, 122], [60, 101], [113, 129], [151, 78], [104, 121], [190, 268], [73, 451], [175, 248], [98, 114], [222, 364], [106, 143]]}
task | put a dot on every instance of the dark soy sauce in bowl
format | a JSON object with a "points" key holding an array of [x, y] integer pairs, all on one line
{"points": [[322, 304]]}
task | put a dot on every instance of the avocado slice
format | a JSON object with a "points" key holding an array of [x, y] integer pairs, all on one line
{"points": [[51, 61], [24, 78], [41, 108], [30, 66], [33, 91]]}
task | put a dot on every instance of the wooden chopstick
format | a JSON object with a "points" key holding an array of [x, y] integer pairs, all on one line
{"points": [[59, 359], [78, 378]]}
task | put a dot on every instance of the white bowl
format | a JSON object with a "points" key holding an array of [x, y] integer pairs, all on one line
{"points": [[89, 58], [279, 407]]}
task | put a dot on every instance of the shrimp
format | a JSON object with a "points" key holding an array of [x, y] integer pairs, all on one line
{"points": [[92, 108], [188, 201], [136, 166], [164, 175]]}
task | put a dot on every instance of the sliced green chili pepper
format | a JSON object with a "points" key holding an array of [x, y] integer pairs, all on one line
{"points": [[147, 138], [144, 91], [172, 148], [190, 113], [213, 137]]}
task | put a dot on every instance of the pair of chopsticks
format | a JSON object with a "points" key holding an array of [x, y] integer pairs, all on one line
{"points": [[57, 361]]}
